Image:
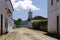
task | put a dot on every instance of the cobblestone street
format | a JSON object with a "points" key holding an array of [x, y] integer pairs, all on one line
{"points": [[26, 34]]}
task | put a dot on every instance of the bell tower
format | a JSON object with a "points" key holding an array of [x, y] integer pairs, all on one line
{"points": [[29, 15]]}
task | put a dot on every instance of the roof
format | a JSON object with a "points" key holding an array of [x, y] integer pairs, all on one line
{"points": [[38, 18], [11, 5]]}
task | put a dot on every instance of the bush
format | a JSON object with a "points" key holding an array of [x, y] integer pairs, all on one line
{"points": [[35, 25], [40, 25]]}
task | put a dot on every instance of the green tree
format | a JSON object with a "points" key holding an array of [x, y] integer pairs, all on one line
{"points": [[18, 21]]}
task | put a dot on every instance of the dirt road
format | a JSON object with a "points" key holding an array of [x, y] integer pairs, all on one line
{"points": [[26, 34]]}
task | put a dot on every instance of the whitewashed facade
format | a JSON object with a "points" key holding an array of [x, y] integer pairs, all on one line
{"points": [[6, 21], [30, 18], [54, 16]]}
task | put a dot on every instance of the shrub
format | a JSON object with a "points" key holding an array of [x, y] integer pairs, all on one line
{"points": [[35, 25], [40, 25]]}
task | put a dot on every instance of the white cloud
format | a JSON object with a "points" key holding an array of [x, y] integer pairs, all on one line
{"points": [[25, 4]]}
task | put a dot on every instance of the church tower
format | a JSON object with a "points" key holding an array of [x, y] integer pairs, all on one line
{"points": [[29, 15]]}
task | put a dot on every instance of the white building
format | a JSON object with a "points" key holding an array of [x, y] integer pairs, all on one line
{"points": [[29, 19], [54, 16], [6, 21]]}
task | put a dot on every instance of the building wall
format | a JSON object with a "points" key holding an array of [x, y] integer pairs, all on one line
{"points": [[8, 5], [51, 7], [30, 24], [58, 13], [53, 12], [4, 13], [52, 22]]}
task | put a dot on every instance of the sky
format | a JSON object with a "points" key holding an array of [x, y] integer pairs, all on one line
{"points": [[21, 8]]}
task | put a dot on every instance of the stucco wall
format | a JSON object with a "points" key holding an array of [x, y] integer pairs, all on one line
{"points": [[52, 22], [51, 7], [53, 12], [3, 12], [8, 5], [58, 13]]}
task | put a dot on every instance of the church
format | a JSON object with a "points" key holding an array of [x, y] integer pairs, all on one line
{"points": [[27, 23]]}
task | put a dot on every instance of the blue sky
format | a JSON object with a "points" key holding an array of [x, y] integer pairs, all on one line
{"points": [[41, 10]]}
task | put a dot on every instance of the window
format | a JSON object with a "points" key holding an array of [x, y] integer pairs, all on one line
{"points": [[5, 0], [51, 2], [57, 0], [10, 15]]}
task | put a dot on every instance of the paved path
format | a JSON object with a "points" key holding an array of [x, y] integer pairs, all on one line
{"points": [[26, 34]]}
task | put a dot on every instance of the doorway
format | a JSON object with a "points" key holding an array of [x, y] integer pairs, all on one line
{"points": [[1, 24], [57, 24]]}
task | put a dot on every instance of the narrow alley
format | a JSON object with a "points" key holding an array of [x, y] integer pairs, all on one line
{"points": [[26, 34]]}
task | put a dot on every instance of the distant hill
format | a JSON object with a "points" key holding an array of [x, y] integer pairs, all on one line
{"points": [[24, 22], [38, 18]]}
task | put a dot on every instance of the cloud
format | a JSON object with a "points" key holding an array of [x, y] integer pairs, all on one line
{"points": [[25, 4]]}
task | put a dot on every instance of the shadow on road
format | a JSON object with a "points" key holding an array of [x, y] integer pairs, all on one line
{"points": [[53, 35]]}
